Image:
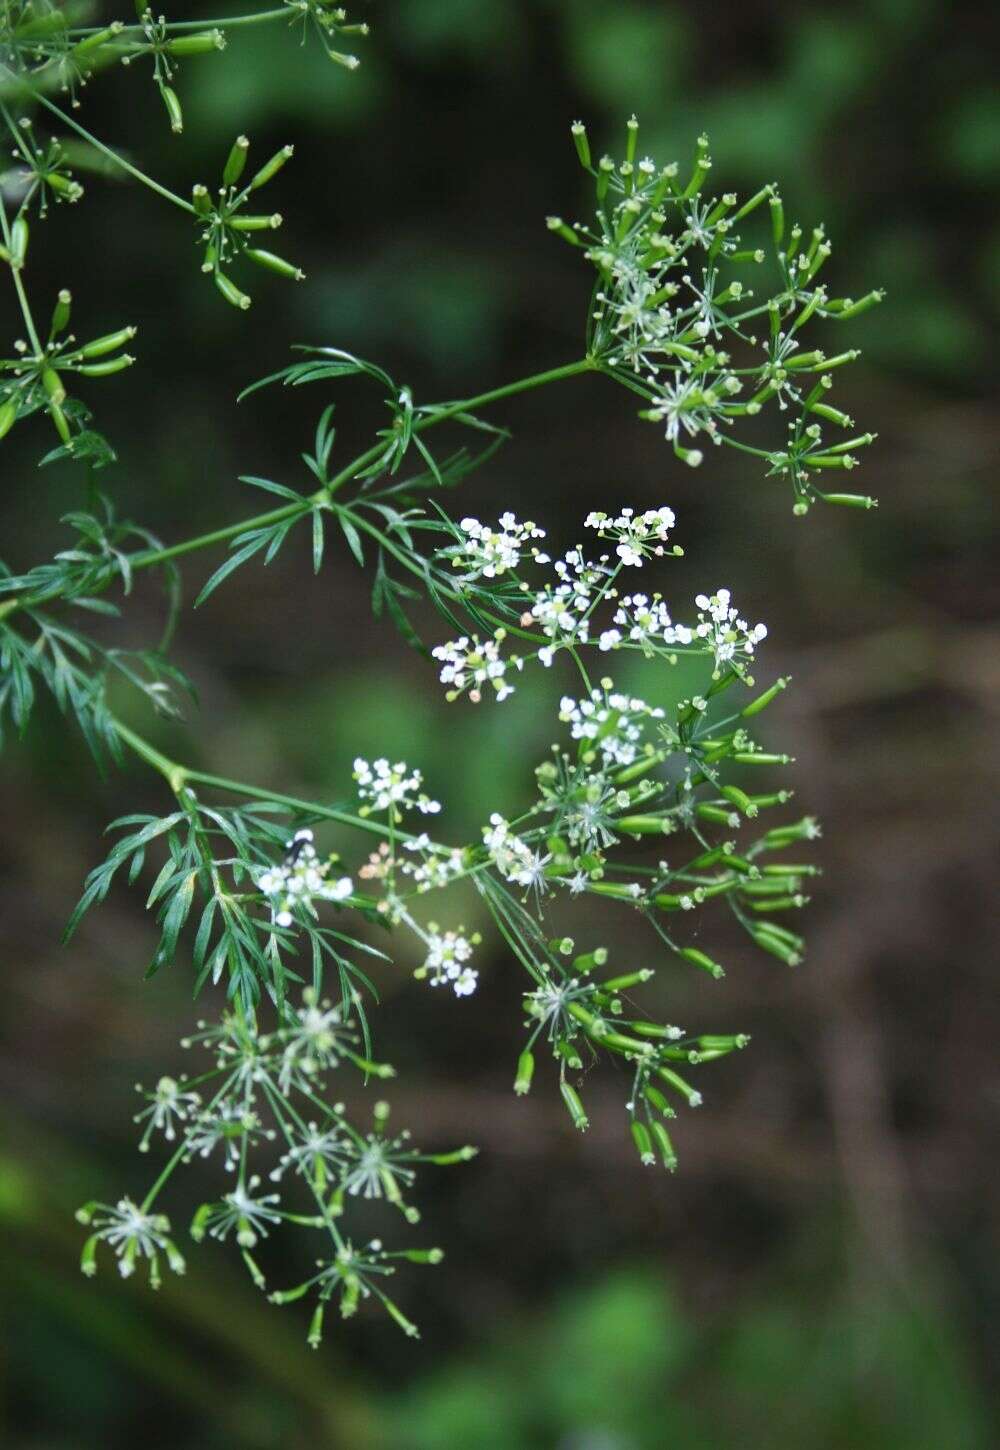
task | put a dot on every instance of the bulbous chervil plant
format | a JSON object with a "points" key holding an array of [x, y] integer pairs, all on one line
{"points": [[706, 307]]}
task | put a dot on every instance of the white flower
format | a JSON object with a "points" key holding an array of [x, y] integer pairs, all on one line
{"points": [[614, 722], [468, 664], [394, 788], [132, 1234], [466, 982], [513, 857], [240, 1210], [491, 552], [315, 1151], [300, 880], [637, 535], [647, 620], [722, 629], [168, 1105], [313, 1041]]}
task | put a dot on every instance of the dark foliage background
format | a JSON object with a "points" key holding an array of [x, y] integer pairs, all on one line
{"points": [[820, 1272]]}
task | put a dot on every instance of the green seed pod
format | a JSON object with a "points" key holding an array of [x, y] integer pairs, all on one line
{"points": [[62, 424], [53, 385], [699, 959], [851, 500], [256, 223], [60, 313], [8, 416], [762, 701], [589, 960], [106, 369], [659, 1102], [642, 1141], [64, 186], [172, 102], [200, 199], [201, 43], [630, 979], [231, 292], [631, 138], [854, 309], [675, 1081], [93, 42], [109, 343], [574, 1107], [272, 167], [739, 798], [275, 264], [236, 161], [315, 1335], [666, 1149], [557, 225], [644, 825], [18, 242], [525, 1073], [579, 133]]}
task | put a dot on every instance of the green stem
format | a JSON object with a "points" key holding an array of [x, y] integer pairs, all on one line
{"points": [[133, 171], [148, 557], [177, 776], [262, 17], [15, 273]]}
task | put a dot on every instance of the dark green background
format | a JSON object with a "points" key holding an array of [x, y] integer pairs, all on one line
{"points": [[820, 1272]]}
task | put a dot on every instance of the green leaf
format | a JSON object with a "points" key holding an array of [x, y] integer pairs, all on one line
{"points": [[353, 537]]}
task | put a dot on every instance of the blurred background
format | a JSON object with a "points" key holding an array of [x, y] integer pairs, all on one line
{"points": [[822, 1269]]}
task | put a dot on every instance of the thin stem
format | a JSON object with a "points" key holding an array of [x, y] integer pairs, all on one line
{"points": [[118, 160], [15, 273], [148, 557], [178, 775], [260, 18]]}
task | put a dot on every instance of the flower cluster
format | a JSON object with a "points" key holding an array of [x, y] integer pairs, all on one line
{"points": [[728, 635], [487, 553], [392, 788], [301, 880], [610, 722], [469, 663], [256, 1076], [566, 612], [636, 535], [672, 296], [448, 953], [514, 858]]}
